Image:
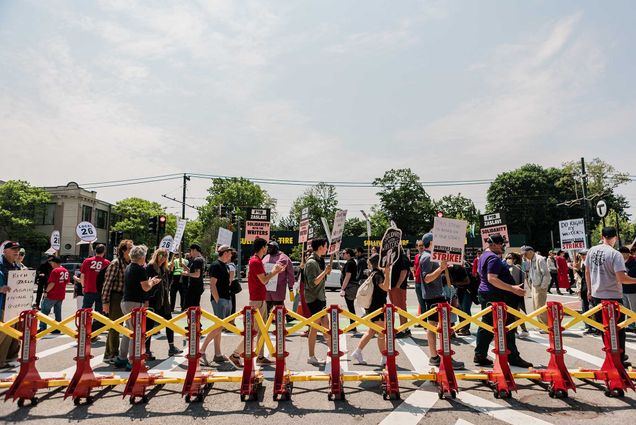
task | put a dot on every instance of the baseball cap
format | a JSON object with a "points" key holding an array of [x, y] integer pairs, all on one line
{"points": [[196, 246], [496, 239], [427, 238], [273, 243], [526, 248], [11, 245], [223, 248]]}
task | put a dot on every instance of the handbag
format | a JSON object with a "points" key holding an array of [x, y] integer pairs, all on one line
{"points": [[351, 291], [235, 287], [365, 292]]}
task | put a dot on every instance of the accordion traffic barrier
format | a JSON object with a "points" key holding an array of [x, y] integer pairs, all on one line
{"points": [[26, 384]]}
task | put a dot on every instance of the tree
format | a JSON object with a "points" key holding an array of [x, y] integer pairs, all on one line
{"points": [[404, 200], [20, 204], [322, 201], [131, 216], [459, 207], [379, 222], [355, 227]]}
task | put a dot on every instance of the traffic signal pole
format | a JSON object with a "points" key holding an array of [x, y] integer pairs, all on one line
{"points": [[586, 205]]}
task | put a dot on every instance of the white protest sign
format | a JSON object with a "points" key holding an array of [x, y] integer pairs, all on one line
{"points": [[449, 236], [272, 283], [572, 234], [390, 247], [166, 242], [86, 231], [55, 240], [224, 237], [20, 297], [337, 231], [181, 224], [325, 225]]}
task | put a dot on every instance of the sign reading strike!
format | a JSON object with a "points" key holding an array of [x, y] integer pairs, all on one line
{"points": [[257, 223], [337, 231], [86, 231], [572, 234], [491, 231], [390, 247], [449, 238], [20, 297]]}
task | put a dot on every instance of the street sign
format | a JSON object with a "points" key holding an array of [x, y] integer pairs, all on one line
{"points": [[86, 231], [390, 248], [601, 208], [55, 240], [572, 234], [491, 220]]}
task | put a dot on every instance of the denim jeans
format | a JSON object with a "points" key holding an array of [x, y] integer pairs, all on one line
{"points": [[46, 307], [222, 308]]}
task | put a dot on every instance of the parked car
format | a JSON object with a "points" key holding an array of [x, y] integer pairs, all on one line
{"points": [[333, 279]]}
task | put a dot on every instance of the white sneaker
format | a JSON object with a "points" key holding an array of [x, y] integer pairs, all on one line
{"points": [[13, 364], [524, 334], [357, 356], [314, 361]]}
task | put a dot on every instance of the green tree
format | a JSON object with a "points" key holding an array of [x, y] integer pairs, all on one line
{"points": [[322, 201], [404, 200], [20, 204], [355, 227], [131, 216], [627, 230], [379, 222], [459, 207]]}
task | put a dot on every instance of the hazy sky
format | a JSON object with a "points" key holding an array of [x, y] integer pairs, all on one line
{"points": [[333, 90]]}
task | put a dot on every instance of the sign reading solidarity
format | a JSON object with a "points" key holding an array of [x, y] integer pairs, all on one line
{"points": [[55, 240], [303, 231], [86, 231], [601, 208], [20, 297], [167, 242], [390, 247], [337, 231], [178, 235], [572, 234], [491, 220], [224, 237], [448, 243], [491, 231], [257, 223]]}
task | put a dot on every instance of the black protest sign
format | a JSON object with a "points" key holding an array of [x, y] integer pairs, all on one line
{"points": [[390, 247]]}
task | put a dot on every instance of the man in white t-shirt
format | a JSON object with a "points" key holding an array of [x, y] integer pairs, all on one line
{"points": [[605, 271]]}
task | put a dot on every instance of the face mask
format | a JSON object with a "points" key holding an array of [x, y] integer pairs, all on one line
{"points": [[509, 262]]}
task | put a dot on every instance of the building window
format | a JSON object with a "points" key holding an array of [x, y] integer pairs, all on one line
{"points": [[87, 213], [101, 218], [46, 215]]}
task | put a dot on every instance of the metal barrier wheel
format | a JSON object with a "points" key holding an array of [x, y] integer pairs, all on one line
{"points": [[615, 393]]}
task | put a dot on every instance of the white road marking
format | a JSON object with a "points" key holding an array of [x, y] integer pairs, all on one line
{"points": [[463, 422], [414, 408], [498, 411], [573, 352]]}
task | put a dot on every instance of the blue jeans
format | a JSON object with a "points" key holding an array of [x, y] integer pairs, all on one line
{"points": [[46, 307], [223, 308], [95, 298]]}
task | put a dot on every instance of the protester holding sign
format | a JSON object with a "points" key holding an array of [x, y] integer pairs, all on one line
{"points": [[277, 290], [9, 347], [55, 292], [41, 278], [316, 274], [399, 285], [194, 272]]}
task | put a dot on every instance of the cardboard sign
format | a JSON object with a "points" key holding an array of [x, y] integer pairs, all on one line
{"points": [[257, 223], [224, 237], [55, 240], [86, 231], [490, 231], [310, 234], [166, 242], [390, 247], [337, 231], [449, 237], [572, 234], [491, 220], [304, 214], [303, 232], [20, 297], [178, 235]]}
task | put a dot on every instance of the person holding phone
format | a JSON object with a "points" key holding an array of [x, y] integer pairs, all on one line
{"points": [[136, 285]]}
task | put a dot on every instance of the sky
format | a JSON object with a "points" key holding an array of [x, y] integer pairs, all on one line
{"points": [[322, 90]]}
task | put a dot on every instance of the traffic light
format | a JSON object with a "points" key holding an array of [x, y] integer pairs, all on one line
{"points": [[162, 224], [152, 224], [120, 237], [233, 217]]}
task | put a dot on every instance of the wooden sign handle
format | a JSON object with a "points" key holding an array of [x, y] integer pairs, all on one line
{"points": [[448, 278]]}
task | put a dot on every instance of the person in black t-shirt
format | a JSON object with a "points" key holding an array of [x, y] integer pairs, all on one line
{"points": [[221, 299], [349, 282], [42, 278], [194, 271], [361, 262], [381, 285], [399, 285]]}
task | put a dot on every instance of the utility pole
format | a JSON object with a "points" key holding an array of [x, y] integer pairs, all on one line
{"points": [[586, 205], [238, 245], [186, 178]]}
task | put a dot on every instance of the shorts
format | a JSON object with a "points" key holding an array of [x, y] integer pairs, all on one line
{"points": [[316, 306], [378, 318], [431, 304], [223, 308], [398, 297]]}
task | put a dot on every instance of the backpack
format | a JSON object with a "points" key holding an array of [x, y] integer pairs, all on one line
{"points": [[365, 292]]}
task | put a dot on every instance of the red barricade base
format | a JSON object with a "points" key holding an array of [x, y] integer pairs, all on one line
{"points": [[446, 376], [194, 384], [500, 377], [282, 384], [250, 381], [390, 383], [336, 383]]}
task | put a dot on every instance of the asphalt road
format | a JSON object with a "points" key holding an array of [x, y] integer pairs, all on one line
{"points": [[364, 404]]}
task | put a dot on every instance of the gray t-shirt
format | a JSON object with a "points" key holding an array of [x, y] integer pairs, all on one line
{"points": [[604, 262], [434, 289]]}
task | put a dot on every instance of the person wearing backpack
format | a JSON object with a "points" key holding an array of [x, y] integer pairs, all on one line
{"points": [[372, 296]]}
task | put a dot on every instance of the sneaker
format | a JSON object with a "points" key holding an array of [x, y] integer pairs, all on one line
{"points": [[203, 361], [357, 356], [150, 357], [315, 361], [236, 360], [174, 351], [56, 332], [264, 361], [435, 361], [226, 367], [519, 362], [463, 332], [626, 364], [589, 331], [407, 332], [524, 334], [120, 363], [109, 360], [13, 364], [482, 361], [401, 335], [288, 318], [457, 364], [220, 359], [631, 330]]}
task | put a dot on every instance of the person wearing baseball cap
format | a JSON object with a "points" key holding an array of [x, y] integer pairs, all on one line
{"points": [[497, 285], [9, 347], [538, 278]]}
